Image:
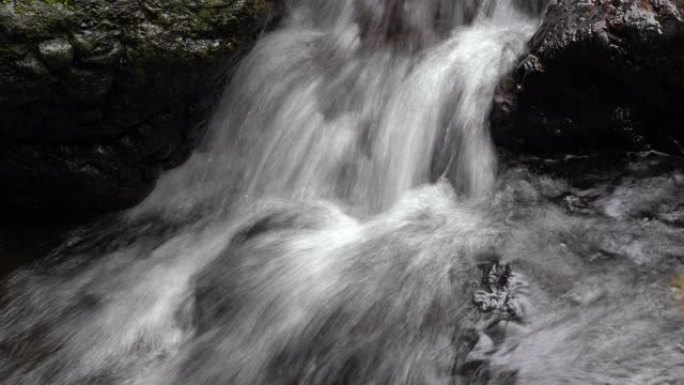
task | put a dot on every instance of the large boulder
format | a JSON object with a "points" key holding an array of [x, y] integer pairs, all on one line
{"points": [[98, 96], [600, 76]]}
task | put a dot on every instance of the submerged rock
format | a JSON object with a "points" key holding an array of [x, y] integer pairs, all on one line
{"points": [[600, 75], [98, 96]]}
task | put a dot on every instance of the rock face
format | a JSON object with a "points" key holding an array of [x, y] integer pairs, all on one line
{"points": [[98, 96], [601, 76]]}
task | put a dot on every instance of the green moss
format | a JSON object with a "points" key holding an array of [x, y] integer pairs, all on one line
{"points": [[187, 33], [51, 2]]}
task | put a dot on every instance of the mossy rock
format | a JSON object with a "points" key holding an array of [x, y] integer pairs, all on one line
{"points": [[82, 74]]}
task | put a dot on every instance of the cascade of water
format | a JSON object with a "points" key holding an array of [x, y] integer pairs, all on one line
{"points": [[337, 221], [360, 101]]}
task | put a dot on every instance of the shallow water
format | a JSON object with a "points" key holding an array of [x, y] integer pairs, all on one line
{"points": [[338, 222]]}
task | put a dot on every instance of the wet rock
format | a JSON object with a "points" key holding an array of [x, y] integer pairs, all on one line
{"points": [[105, 55], [600, 76], [136, 80], [31, 66], [56, 53], [503, 306], [503, 295]]}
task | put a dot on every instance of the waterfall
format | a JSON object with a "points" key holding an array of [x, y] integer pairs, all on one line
{"points": [[346, 222], [358, 102]]}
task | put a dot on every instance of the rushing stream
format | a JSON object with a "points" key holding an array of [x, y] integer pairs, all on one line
{"points": [[347, 222]]}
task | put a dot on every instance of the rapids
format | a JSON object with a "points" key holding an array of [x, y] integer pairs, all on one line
{"points": [[338, 220]]}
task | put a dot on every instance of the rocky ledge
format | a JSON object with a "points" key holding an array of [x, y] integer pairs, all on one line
{"points": [[98, 96], [600, 76]]}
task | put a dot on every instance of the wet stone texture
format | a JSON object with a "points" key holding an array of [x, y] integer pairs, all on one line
{"points": [[601, 75], [97, 97]]}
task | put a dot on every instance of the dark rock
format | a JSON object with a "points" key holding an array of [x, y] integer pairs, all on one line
{"points": [[97, 96], [600, 76], [57, 54]]}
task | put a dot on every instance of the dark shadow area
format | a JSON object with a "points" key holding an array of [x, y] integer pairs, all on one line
{"points": [[23, 241]]}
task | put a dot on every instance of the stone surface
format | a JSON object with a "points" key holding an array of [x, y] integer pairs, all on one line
{"points": [[601, 76], [97, 97]]}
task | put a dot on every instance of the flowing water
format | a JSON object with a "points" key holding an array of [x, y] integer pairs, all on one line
{"points": [[346, 222]]}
